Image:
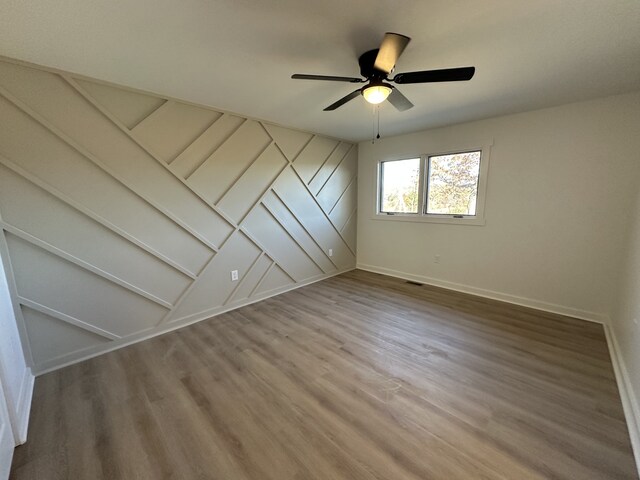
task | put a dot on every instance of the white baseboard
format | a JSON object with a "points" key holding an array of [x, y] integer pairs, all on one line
{"points": [[481, 292], [24, 406], [85, 354], [627, 394]]}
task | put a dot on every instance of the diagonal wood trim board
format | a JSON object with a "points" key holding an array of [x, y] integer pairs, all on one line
{"points": [[123, 213]]}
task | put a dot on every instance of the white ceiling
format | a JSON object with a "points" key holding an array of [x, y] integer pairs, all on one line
{"points": [[238, 55]]}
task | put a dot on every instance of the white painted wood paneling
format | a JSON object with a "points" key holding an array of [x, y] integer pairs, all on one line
{"points": [[349, 231], [215, 285], [294, 194], [314, 155], [345, 207], [244, 193], [328, 167], [208, 142], [252, 279], [170, 129], [129, 107], [124, 212], [285, 218], [30, 209], [338, 182], [45, 156], [98, 139], [66, 288], [280, 244], [220, 171], [274, 279], [41, 328], [290, 142]]}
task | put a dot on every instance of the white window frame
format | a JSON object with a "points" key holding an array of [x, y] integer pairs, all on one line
{"points": [[422, 216]]}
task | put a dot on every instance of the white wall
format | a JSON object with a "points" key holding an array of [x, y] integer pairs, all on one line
{"points": [[558, 198], [124, 213]]}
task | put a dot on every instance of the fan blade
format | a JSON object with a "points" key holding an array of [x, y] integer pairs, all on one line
{"points": [[427, 76], [343, 100], [399, 101], [391, 48], [302, 76]]}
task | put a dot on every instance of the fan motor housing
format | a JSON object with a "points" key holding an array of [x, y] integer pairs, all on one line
{"points": [[367, 70]]}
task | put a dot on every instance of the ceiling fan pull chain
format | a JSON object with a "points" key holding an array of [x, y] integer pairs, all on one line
{"points": [[373, 124], [378, 112]]}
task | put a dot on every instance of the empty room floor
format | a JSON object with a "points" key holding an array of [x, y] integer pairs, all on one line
{"points": [[360, 376]]}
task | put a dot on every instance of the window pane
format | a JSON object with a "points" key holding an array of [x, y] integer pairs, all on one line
{"points": [[453, 184], [399, 186]]}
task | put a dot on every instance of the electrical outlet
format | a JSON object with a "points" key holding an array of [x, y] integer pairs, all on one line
{"points": [[331, 252], [436, 258], [234, 275]]}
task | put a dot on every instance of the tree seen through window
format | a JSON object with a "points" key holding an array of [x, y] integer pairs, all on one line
{"points": [[453, 184]]}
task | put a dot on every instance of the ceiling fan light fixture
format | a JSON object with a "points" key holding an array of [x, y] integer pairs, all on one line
{"points": [[376, 94], [375, 67]]}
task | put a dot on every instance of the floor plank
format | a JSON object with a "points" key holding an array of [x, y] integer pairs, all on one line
{"points": [[360, 376]]}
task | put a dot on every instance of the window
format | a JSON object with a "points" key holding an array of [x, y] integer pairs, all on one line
{"points": [[452, 184], [443, 187], [400, 186]]}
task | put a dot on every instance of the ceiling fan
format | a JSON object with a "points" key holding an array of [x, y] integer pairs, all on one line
{"points": [[376, 66]]}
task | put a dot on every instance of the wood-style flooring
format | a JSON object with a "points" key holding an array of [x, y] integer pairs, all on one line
{"points": [[360, 376]]}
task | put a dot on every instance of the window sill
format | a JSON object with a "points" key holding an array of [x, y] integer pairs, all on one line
{"points": [[477, 221]]}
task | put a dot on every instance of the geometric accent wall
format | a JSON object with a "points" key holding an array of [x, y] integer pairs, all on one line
{"points": [[123, 213]]}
